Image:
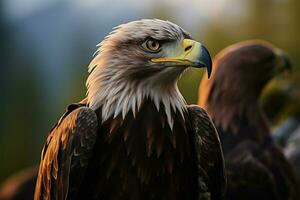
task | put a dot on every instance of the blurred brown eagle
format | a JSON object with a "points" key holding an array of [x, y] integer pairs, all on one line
{"points": [[256, 167], [134, 137]]}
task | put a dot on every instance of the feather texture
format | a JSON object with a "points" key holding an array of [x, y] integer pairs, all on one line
{"points": [[67, 151]]}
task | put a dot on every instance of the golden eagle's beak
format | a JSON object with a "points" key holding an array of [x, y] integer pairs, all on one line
{"points": [[283, 62], [191, 53]]}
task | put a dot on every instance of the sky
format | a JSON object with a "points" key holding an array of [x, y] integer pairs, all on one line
{"points": [[183, 10]]}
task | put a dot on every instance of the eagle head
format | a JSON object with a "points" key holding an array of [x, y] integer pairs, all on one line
{"points": [[142, 59], [241, 71], [244, 69]]}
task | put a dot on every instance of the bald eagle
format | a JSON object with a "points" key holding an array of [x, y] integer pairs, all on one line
{"points": [[256, 167], [134, 137]]}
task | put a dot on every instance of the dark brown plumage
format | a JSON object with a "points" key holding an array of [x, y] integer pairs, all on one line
{"points": [[134, 158], [256, 167], [133, 137], [165, 160]]}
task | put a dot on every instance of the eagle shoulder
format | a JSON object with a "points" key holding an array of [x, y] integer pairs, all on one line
{"points": [[66, 153], [208, 150]]}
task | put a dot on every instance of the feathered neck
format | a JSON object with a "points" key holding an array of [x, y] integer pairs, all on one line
{"points": [[118, 95], [234, 114], [230, 102]]}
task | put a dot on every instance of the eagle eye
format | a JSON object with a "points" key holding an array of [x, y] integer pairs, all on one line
{"points": [[152, 45]]}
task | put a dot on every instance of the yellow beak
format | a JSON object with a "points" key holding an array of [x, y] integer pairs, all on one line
{"points": [[191, 53]]}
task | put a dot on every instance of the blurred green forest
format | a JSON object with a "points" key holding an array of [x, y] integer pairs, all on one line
{"points": [[29, 110], [272, 20]]}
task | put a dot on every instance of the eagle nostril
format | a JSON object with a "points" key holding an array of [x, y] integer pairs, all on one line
{"points": [[188, 48]]}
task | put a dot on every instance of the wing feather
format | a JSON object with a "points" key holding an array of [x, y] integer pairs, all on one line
{"points": [[209, 151], [66, 153]]}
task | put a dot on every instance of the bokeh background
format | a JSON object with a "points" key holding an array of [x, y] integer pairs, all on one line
{"points": [[45, 47]]}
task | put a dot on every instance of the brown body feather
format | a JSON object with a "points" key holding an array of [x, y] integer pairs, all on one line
{"points": [[136, 158], [142, 158]]}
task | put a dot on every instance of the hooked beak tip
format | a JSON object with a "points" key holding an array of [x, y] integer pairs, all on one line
{"points": [[206, 59]]}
